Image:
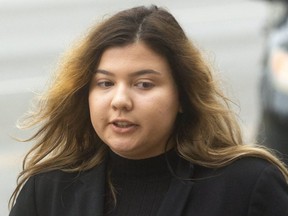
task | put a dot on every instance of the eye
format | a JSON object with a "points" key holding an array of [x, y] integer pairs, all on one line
{"points": [[144, 85], [105, 84]]}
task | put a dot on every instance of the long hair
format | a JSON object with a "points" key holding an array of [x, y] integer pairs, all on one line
{"points": [[206, 133]]}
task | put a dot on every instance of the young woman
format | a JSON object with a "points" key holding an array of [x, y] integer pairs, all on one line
{"points": [[134, 124]]}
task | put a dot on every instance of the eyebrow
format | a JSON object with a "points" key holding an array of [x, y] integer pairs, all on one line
{"points": [[134, 74]]}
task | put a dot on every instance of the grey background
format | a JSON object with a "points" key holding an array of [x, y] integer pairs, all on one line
{"points": [[34, 33]]}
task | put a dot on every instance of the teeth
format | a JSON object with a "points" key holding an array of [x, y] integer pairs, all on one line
{"points": [[122, 124]]}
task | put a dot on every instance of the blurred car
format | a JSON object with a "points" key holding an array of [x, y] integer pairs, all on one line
{"points": [[273, 124]]}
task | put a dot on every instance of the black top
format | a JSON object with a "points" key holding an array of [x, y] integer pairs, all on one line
{"points": [[140, 185], [247, 187]]}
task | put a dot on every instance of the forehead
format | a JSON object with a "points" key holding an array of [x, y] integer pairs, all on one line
{"points": [[136, 56]]}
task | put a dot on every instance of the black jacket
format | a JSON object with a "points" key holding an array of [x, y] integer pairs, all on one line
{"points": [[247, 187]]}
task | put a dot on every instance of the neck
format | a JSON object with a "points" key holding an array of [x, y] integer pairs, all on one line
{"points": [[158, 165]]}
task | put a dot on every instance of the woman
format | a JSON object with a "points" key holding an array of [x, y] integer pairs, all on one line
{"points": [[134, 124]]}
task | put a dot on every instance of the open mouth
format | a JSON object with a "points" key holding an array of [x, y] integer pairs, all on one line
{"points": [[123, 124]]}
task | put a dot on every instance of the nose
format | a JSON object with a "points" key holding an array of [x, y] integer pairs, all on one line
{"points": [[122, 99]]}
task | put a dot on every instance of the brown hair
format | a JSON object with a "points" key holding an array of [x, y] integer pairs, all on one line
{"points": [[206, 132]]}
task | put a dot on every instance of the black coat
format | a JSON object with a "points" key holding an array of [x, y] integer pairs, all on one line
{"points": [[247, 187]]}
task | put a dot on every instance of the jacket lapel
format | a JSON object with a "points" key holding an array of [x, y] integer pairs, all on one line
{"points": [[178, 192], [92, 194]]}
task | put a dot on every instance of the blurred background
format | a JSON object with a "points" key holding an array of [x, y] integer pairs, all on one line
{"points": [[34, 33]]}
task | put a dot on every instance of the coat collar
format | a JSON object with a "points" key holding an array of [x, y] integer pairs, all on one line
{"points": [[93, 193], [179, 190]]}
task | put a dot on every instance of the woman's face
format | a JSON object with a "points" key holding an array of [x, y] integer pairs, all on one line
{"points": [[133, 101]]}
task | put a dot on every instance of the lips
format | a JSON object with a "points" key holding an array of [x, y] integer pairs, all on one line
{"points": [[123, 126]]}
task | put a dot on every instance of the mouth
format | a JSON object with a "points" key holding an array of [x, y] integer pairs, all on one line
{"points": [[123, 124]]}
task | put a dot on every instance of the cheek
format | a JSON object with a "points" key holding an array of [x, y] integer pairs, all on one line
{"points": [[96, 102], [163, 110], [168, 105], [95, 108], [92, 104]]}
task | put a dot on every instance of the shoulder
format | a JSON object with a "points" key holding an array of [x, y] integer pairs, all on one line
{"points": [[60, 178], [267, 186], [50, 193], [247, 175], [251, 185], [250, 166], [40, 188], [254, 169], [51, 183], [56, 176], [251, 163], [64, 177], [241, 168]]}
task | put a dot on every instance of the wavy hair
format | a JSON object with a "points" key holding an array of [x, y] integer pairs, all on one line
{"points": [[206, 133]]}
